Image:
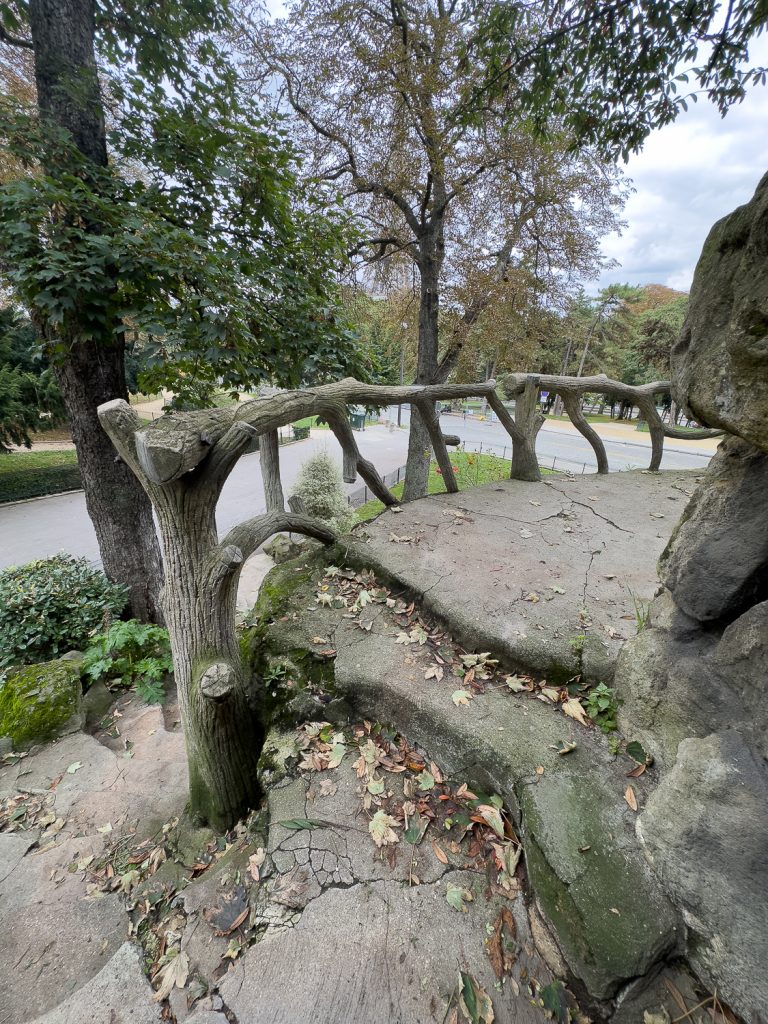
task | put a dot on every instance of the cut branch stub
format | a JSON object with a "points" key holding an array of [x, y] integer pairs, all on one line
{"points": [[176, 443], [218, 682]]}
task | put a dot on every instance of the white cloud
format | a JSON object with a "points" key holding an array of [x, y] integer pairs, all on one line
{"points": [[688, 175]]}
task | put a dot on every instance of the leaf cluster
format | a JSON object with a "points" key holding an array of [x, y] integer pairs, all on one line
{"points": [[196, 238], [612, 71], [53, 606], [128, 654]]}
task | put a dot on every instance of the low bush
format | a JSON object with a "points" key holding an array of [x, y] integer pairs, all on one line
{"points": [[320, 486], [34, 474], [53, 606], [131, 654]]}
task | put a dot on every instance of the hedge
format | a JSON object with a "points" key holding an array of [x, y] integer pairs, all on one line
{"points": [[33, 474]]}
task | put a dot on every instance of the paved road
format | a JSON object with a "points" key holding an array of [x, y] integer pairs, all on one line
{"points": [[39, 528], [562, 447], [36, 529]]}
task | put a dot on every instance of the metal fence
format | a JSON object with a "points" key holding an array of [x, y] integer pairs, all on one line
{"points": [[573, 467]]}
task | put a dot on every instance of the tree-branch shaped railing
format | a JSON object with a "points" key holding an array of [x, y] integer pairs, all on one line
{"points": [[526, 387], [183, 461]]}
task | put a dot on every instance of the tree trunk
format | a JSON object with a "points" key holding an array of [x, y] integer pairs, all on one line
{"points": [[431, 248], [92, 372], [119, 509], [222, 728]]}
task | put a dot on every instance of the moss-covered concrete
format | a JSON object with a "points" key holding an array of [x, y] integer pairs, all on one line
{"points": [[612, 920], [40, 702]]}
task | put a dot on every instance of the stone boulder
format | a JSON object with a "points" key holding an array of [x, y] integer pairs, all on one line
{"points": [[39, 703], [720, 363], [704, 831], [716, 563], [282, 548]]}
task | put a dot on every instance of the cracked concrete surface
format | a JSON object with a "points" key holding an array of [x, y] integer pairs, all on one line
{"points": [[545, 574]]}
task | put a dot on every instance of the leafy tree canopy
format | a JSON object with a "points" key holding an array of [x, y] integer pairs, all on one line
{"points": [[29, 398], [613, 70], [196, 237]]}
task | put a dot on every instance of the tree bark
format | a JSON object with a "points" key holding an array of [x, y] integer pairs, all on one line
{"points": [[431, 254], [117, 505], [92, 371], [269, 454]]}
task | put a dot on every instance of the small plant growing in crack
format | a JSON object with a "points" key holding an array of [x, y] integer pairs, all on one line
{"points": [[577, 643], [642, 611], [602, 706]]}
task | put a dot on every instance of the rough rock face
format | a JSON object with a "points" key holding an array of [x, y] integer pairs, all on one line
{"points": [[704, 829], [716, 563], [694, 683], [720, 363]]}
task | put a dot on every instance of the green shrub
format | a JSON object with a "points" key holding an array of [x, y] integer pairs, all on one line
{"points": [[131, 654], [53, 606], [34, 474], [320, 486]]}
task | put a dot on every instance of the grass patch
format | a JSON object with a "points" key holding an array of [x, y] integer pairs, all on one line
{"points": [[33, 474], [592, 417], [471, 469]]}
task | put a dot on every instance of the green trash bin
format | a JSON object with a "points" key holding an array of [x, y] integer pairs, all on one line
{"points": [[357, 419]]}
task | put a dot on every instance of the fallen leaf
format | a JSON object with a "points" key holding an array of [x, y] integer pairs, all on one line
{"points": [[474, 1001], [457, 897], [327, 788], [515, 684], [461, 698], [637, 771], [375, 786], [255, 861], [289, 889], [629, 796], [574, 709], [319, 640], [564, 748], [174, 974], [525, 534], [74, 767], [382, 832], [439, 852], [636, 752], [495, 946], [336, 755], [434, 672], [554, 1001], [492, 816], [540, 769], [557, 590], [425, 780]]}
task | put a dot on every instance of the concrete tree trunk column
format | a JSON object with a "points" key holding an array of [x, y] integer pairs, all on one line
{"points": [[529, 419], [223, 725]]}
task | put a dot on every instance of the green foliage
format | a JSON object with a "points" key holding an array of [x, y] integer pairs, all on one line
{"points": [[52, 606], [131, 654], [29, 398], [210, 255], [31, 474], [611, 72], [602, 706], [320, 486]]}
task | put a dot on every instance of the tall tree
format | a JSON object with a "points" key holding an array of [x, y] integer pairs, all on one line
{"points": [[181, 224], [383, 96]]}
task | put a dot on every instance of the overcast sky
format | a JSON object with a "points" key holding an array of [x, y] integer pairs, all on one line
{"points": [[688, 175]]}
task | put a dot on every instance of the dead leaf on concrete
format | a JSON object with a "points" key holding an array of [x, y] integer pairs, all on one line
{"points": [[255, 862], [173, 974], [289, 888], [382, 832], [573, 708], [498, 949], [474, 1002], [629, 796]]}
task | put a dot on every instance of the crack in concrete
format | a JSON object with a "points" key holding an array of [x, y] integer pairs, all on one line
{"points": [[583, 504]]}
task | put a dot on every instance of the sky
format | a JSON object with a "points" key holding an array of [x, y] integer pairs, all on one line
{"points": [[689, 175]]}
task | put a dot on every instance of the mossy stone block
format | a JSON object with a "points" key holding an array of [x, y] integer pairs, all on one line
{"points": [[611, 918], [40, 702]]}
